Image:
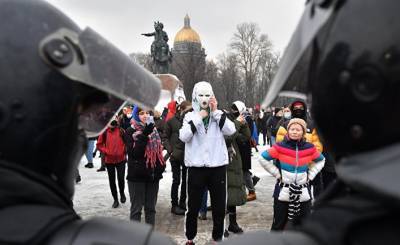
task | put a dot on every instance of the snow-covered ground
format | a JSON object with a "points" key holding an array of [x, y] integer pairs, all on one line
{"points": [[93, 198]]}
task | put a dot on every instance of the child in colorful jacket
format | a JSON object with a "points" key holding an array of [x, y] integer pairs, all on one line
{"points": [[300, 162]]}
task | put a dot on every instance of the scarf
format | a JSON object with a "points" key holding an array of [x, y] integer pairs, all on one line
{"points": [[154, 148], [206, 120], [295, 191]]}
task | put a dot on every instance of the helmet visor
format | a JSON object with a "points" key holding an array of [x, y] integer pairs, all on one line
{"points": [[100, 65], [291, 80], [94, 120]]}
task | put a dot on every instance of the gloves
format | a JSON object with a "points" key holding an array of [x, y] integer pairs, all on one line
{"points": [[148, 129]]}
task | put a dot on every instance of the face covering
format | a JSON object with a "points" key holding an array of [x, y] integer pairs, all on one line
{"points": [[287, 115], [298, 113], [129, 115], [202, 92], [203, 98]]}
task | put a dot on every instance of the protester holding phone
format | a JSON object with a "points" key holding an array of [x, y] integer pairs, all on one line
{"points": [[145, 165], [206, 157]]}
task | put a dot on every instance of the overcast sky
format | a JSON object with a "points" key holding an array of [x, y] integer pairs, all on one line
{"points": [[122, 21]]}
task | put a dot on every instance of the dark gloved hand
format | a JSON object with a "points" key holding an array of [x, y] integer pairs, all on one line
{"points": [[148, 129]]}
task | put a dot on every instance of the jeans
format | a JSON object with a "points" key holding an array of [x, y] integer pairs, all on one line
{"points": [[89, 151], [273, 140], [248, 181], [203, 207]]}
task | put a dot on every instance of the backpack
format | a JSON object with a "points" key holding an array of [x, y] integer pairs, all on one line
{"points": [[104, 134]]}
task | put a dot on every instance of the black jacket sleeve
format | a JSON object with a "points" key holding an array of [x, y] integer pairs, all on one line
{"points": [[128, 139], [140, 146], [166, 135]]}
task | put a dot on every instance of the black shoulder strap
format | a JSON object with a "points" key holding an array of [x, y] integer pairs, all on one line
{"points": [[222, 120], [32, 224]]}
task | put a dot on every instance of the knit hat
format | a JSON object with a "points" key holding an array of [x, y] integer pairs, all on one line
{"points": [[299, 121]]}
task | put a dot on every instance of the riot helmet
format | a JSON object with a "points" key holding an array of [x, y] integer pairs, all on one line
{"points": [[58, 81], [348, 74]]}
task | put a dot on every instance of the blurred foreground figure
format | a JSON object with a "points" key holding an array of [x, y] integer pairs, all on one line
{"points": [[58, 85], [351, 78]]}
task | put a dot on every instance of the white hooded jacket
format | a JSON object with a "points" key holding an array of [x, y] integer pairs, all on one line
{"points": [[205, 148]]}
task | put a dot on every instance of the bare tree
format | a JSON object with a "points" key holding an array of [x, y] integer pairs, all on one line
{"points": [[143, 59], [267, 64], [212, 75], [247, 44], [229, 75], [189, 67]]}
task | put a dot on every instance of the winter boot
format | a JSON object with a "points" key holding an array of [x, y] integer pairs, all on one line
{"points": [[182, 205], [202, 216], [251, 196], [78, 179], [89, 165], [115, 204], [233, 225], [177, 210], [123, 198], [255, 180], [101, 169], [226, 233], [190, 242]]}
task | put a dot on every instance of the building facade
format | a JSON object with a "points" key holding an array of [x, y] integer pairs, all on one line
{"points": [[188, 57]]}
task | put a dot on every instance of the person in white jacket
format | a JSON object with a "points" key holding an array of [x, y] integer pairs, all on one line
{"points": [[206, 157]]}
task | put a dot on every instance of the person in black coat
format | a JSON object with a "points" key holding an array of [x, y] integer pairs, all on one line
{"points": [[176, 150], [245, 153], [145, 165], [272, 124]]}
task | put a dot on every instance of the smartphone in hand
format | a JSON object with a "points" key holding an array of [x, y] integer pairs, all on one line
{"points": [[150, 120]]}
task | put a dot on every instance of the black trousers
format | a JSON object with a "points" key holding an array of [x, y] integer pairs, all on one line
{"points": [[177, 167], [143, 194], [214, 179], [120, 169], [265, 136], [281, 213]]}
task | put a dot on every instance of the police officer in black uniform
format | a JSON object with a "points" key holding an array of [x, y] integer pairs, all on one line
{"points": [[58, 84], [345, 56]]}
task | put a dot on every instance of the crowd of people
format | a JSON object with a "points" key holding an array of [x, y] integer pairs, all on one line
{"points": [[61, 85], [210, 152]]}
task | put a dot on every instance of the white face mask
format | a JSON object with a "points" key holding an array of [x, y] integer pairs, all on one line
{"points": [[129, 115], [287, 115], [203, 96]]}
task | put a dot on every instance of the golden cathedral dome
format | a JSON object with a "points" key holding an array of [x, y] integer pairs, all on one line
{"points": [[187, 34]]}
